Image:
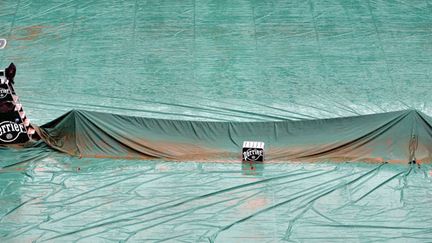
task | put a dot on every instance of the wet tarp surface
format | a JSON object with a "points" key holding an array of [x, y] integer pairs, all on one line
{"points": [[219, 60], [58, 199], [162, 66], [390, 137]]}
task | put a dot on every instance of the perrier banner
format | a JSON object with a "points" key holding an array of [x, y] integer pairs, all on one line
{"points": [[5, 93], [12, 127]]}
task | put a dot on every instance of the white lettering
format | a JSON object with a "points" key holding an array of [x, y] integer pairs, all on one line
{"points": [[252, 154], [21, 128], [10, 131]]}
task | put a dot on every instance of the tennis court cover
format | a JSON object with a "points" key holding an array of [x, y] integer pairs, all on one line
{"points": [[143, 107]]}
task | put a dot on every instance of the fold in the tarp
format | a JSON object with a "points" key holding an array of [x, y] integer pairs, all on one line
{"points": [[397, 137]]}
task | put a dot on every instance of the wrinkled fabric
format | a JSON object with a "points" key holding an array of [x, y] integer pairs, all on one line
{"points": [[57, 198], [269, 61], [219, 60], [397, 137]]}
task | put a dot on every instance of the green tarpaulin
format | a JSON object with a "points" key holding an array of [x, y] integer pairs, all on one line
{"points": [[143, 107], [399, 137]]}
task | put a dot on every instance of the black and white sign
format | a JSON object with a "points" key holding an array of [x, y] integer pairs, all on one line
{"points": [[253, 151], [4, 92], [12, 129]]}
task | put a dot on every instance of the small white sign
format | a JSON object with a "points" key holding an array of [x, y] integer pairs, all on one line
{"points": [[253, 151], [253, 144], [3, 43]]}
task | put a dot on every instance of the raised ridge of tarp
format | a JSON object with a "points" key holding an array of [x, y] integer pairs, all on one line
{"points": [[396, 137]]}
